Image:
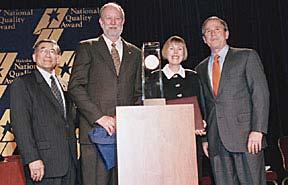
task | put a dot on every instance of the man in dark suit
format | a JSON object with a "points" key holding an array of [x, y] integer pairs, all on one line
{"points": [[43, 121], [237, 108], [98, 85]]}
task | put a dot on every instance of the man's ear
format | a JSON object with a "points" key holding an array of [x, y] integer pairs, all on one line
{"points": [[227, 35], [204, 39], [100, 22], [34, 57], [58, 59]]}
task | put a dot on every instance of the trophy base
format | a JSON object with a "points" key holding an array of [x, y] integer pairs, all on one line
{"points": [[154, 101]]}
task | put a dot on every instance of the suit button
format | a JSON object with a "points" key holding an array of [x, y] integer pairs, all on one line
{"points": [[177, 85], [179, 95]]}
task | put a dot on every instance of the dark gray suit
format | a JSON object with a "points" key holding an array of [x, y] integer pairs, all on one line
{"points": [[41, 131], [96, 90], [242, 106]]}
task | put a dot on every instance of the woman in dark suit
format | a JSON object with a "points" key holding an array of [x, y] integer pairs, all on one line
{"points": [[179, 82]]}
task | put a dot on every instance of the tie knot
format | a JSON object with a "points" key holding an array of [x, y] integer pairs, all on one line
{"points": [[52, 78], [216, 58], [113, 44]]}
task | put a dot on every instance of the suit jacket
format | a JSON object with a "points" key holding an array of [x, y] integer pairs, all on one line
{"points": [[94, 85], [40, 129], [242, 104]]}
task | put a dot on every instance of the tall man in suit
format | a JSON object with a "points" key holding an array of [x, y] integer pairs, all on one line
{"points": [[237, 107], [43, 121], [98, 85]]}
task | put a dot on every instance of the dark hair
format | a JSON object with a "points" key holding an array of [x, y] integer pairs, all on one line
{"points": [[36, 46], [214, 18]]}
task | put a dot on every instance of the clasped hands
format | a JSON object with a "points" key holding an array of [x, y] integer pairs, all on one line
{"points": [[201, 132], [108, 123]]}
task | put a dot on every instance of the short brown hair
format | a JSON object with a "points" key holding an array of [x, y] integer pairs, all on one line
{"points": [[36, 46], [214, 18], [175, 39]]}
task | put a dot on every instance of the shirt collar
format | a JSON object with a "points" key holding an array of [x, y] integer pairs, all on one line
{"points": [[46, 74], [169, 73], [109, 42], [222, 53]]}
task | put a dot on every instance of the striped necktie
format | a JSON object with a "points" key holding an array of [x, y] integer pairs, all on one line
{"points": [[57, 94]]}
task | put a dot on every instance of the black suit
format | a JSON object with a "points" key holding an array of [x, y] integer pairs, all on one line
{"points": [[41, 131], [97, 90]]}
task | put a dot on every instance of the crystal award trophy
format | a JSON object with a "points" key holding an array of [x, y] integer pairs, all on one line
{"points": [[152, 86]]}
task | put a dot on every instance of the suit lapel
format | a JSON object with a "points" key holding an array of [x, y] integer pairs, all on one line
{"points": [[127, 53], [228, 62], [68, 103], [106, 56], [46, 90], [104, 51], [206, 78], [64, 90]]}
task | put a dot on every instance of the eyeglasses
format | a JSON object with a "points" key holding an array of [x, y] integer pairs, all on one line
{"points": [[47, 51]]}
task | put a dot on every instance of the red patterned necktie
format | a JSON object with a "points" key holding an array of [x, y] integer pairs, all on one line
{"points": [[216, 74]]}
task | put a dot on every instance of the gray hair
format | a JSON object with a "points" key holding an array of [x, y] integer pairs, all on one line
{"points": [[115, 5]]}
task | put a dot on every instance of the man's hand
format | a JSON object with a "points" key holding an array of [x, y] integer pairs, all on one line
{"points": [[202, 131], [254, 142], [108, 123], [205, 148], [36, 170]]}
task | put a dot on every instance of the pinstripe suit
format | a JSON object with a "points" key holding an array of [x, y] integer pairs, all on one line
{"points": [[241, 106], [41, 131], [97, 90]]}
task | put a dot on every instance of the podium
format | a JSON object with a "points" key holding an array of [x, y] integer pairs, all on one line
{"points": [[156, 145], [11, 171]]}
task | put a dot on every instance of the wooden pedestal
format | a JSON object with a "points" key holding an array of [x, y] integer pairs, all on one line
{"points": [[156, 145], [11, 171]]}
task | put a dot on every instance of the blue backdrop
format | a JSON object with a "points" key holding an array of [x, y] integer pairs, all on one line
{"points": [[19, 31]]}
